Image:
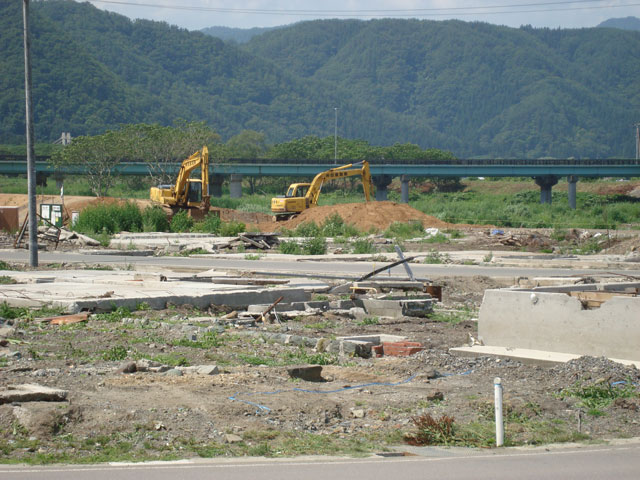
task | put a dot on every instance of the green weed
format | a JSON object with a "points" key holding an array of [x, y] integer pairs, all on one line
{"points": [[363, 246], [115, 353], [181, 222], [290, 248]]}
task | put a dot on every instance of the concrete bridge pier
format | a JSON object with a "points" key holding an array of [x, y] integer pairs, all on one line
{"points": [[404, 188], [381, 182], [545, 183], [215, 185], [235, 185], [572, 180]]}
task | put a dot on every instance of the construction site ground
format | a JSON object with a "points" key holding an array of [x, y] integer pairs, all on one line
{"points": [[132, 396]]}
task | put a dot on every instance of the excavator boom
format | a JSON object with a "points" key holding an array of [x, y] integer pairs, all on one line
{"points": [[301, 196]]}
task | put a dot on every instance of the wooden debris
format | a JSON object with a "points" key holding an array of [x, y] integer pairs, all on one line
{"points": [[66, 319]]}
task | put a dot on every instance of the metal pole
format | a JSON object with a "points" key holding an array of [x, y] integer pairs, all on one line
{"points": [[497, 386], [31, 166], [335, 138]]}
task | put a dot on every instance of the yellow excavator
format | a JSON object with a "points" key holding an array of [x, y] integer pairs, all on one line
{"points": [[190, 194], [301, 196]]}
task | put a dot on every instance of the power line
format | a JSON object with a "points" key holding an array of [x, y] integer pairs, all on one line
{"points": [[418, 12]]}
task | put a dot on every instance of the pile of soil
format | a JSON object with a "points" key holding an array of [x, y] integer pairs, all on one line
{"points": [[368, 216]]}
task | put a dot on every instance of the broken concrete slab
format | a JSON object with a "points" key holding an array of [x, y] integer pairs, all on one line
{"points": [[31, 392]]}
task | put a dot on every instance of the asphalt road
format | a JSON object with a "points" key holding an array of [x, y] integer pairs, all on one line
{"points": [[586, 463], [328, 268]]}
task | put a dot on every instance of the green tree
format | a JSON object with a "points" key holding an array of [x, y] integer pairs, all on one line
{"points": [[99, 155]]}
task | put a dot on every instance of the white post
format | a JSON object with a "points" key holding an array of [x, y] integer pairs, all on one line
{"points": [[497, 385]]}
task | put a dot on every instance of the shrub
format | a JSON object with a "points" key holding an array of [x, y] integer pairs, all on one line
{"points": [[231, 229], [309, 229], [315, 246], [210, 224], [181, 222], [110, 218], [363, 245], [154, 219], [290, 248], [433, 431], [334, 226]]}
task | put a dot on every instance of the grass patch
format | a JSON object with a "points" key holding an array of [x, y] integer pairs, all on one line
{"points": [[207, 341], [434, 258], [598, 396], [115, 316], [5, 280], [363, 246], [404, 231]]}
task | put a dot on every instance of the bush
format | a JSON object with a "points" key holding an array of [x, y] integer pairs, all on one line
{"points": [[334, 226], [309, 229], [290, 248], [110, 218], [362, 246], [315, 246], [154, 219], [181, 222], [210, 224], [231, 229]]}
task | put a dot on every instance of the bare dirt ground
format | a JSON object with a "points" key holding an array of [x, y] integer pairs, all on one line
{"points": [[253, 407]]}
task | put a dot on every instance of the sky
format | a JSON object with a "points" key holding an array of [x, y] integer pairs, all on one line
{"points": [[198, 14]]}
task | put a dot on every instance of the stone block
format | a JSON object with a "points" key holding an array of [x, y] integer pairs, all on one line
{"points": [[308, 373], [401, 349], [31, 392]]}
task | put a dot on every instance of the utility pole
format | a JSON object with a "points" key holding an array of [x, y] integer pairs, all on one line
{"points": [[335, 138], [31, 166], [637, 141]]}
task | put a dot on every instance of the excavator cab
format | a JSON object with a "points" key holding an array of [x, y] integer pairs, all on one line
{"points": [[194, 193]]}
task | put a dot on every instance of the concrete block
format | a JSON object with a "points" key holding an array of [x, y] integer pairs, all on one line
{"points": [[396, 307], [308, 373]]}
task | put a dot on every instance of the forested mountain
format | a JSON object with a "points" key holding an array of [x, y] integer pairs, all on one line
{"points": [[472, 88], [516, 92], [238, 35], [626, 23]]}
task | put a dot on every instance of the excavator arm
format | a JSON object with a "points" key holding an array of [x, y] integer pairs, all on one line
{"points": [[360, 168], [187, 192], [198, 159]]}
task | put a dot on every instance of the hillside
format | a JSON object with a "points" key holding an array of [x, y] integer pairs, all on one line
{"points": [[520, 92], [472, 88], [94, 70], [627, 23]]}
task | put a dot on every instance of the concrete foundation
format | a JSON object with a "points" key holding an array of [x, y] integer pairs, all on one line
{"points": [[549, 319], [103, 291]]}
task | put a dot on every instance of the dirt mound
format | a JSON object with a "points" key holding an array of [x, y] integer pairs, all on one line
{"points": [[367, 216]]}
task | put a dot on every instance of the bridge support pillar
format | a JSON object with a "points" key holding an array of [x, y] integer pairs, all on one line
{"points": [[235, 185], [572, 180], [215, 185], [381, 182], [545, 183], [404, 188]]}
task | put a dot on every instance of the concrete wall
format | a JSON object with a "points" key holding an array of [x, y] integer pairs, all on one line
{"points": [[557, 322]]}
